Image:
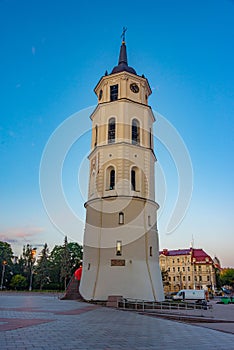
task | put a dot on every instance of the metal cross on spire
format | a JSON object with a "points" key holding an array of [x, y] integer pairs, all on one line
{"points": [[123, 34]]}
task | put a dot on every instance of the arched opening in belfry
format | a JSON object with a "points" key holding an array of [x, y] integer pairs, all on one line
{"points": [[135, 132], [111, 130]]}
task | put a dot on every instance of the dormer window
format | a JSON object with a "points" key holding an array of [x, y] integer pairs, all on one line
{"points": [[114, 92]]}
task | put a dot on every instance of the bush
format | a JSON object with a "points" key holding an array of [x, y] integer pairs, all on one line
{"points": [[18, 282]]}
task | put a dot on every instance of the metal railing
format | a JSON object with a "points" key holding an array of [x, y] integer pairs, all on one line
{"points": [[143, 305]]}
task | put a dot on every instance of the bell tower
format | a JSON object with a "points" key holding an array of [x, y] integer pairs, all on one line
{"points": [[121, 238]]}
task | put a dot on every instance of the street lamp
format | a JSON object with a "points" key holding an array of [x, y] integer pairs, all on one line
{"points": [[33, 254], [3, 273]]}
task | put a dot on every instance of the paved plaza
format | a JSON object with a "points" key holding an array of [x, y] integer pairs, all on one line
{"points": [[43, 321]]}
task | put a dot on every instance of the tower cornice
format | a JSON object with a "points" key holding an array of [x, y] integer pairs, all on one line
{"points": [[124, 75], [124, 100]]}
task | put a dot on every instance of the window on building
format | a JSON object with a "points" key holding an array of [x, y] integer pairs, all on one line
{"points": [[174, 278], [168, 269], [169, 278], [96, 135], [119, 248], [195, 278], [208, 278], [183, 278], [199, 268], [178, 260], [133, 180], [114, 92], [112, 179], [183, 268], [150, 139], [200, 278], [189, 278], [173, 269], [149, 220], [173, 261], [178, 269], [135, 132], [111, 130], [121, 218], [151, 251], [188, 268]]}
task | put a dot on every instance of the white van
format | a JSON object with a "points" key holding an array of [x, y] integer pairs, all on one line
{"points": [[190, 294]]}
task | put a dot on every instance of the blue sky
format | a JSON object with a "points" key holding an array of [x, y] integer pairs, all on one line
{"points": [[52, 56]]}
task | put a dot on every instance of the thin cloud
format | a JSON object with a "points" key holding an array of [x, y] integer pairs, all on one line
{"points": [[17, 233]]}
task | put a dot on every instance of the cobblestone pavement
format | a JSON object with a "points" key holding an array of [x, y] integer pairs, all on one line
{"points": [[37, 321]]}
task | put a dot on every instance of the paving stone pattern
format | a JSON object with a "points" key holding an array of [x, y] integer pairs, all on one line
{"points": [[40, 321]]}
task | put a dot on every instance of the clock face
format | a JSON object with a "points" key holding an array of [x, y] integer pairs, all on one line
{"points": [[100, 94], [134, 87]]}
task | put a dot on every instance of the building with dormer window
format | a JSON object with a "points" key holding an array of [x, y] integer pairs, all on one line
{"points": [[187, 269]]}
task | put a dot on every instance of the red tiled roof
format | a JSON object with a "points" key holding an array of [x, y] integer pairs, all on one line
{"points": [[198, 255], [175, 252]]}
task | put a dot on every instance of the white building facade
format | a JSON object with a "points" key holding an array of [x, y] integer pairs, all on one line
{"points": [[121, 251]]}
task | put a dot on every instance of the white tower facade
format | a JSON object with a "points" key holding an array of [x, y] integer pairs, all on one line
{"points": [[121, 239]]}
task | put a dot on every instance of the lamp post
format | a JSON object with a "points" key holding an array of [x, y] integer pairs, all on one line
{"points": [[3, 273], [33, 254]]}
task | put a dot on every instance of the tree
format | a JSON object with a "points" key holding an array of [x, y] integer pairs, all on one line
{"points": [[64, 260], [6, 256], [28, 259], [165, 278], [227, 277], [66, 266], [42, 270]]}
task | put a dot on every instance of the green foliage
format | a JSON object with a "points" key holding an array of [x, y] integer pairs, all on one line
{"points": [[6, 253], [227, 277], [6, 256], [42, 269], [18, 282], [218, 279], [165, 278], [66, 266], [50, 271]]}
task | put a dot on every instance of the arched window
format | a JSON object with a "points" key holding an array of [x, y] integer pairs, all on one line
{"points": [[135, 132], [119, 248], [111, 130], [112, 179], [121, 218], [133, 180]]}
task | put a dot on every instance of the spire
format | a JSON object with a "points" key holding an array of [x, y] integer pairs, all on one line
{"points": [[123, 54], [123, 61]]}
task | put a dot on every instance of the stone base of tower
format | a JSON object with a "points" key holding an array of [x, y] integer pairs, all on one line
{"points": [[121, 258], [134, 281]]}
